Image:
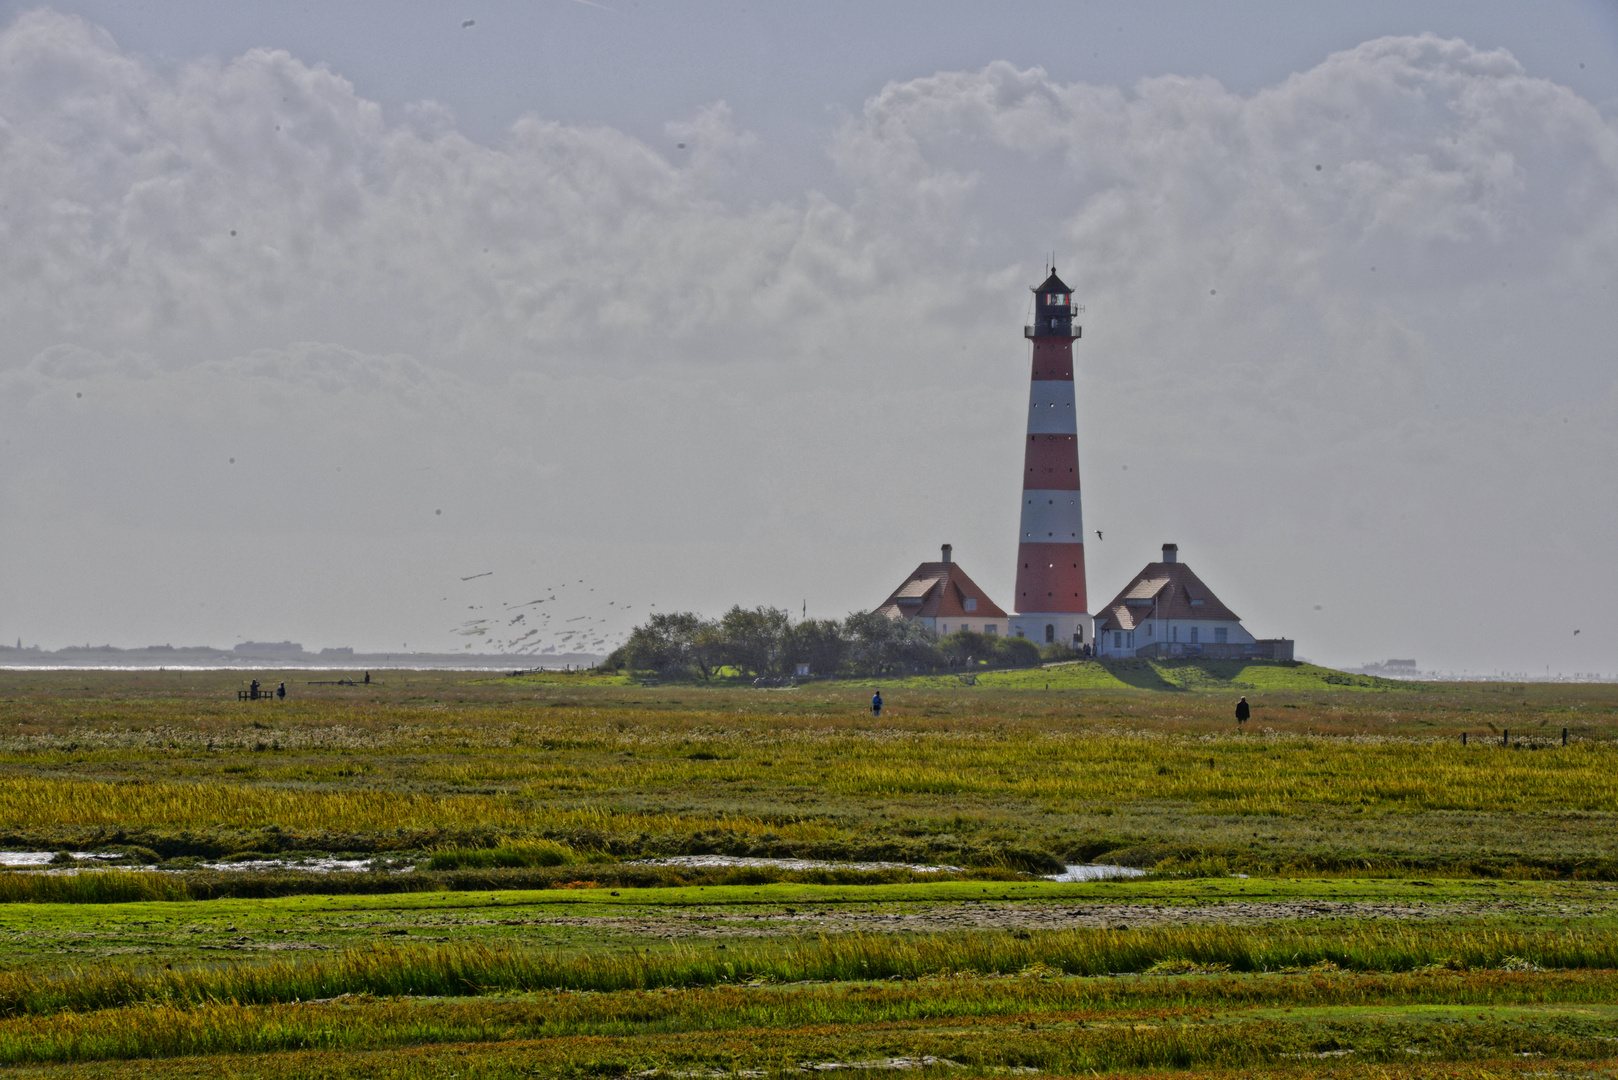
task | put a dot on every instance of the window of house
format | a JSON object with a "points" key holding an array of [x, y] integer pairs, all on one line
{"points": [[1117, 640], [991, 630], [1176, 633], [1148, 629], [1050, 632], [1129, 638], [1219, 635], [971, 603], [943, 628], [1194, 634]]}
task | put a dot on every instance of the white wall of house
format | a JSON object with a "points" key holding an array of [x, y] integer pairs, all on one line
{"points": [[1174, 632], [949, 625]]}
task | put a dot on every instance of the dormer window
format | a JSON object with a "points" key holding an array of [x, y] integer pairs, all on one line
{"points": [[971, 603]]}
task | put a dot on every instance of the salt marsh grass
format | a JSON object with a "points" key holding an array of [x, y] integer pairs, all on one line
{"points": [[535, 782], [1330, 776], [475, 969], [1035, 1019]]}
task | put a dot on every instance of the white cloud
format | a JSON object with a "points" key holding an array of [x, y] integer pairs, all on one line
{"points": [[1346, 381]]}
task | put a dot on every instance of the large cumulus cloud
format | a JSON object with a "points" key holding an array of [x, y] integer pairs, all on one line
{"points": [[1347, 341]]}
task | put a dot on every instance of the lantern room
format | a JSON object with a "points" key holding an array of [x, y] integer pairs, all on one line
{"points": [[1053, 310]]}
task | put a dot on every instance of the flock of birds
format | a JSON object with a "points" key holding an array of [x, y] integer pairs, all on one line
{"points": [[558, 622]]}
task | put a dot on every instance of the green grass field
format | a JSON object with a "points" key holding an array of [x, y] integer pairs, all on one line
{"points": [[1411, 906]]}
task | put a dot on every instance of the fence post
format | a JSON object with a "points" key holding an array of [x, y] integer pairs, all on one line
{"points": [[1505, 736], [1564, 736], [1463, 738]]}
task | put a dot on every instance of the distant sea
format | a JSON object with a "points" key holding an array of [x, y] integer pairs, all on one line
{"points": [[203, 658]]}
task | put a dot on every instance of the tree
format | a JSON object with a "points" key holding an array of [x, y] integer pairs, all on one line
{"points": [[751, 639], [671, 643], [878, 644], [964, 645], [1016, 652], [817, 642]]}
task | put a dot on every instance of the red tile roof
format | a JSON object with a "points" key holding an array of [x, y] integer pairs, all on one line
{"points": [[939, 590], [1163, 591]]}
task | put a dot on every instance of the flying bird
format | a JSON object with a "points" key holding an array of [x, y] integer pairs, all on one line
{"points": [[485, 573], [468, 22], [1575, 633], [1098, 534]]}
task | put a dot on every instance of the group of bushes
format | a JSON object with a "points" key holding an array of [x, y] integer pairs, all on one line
{"points": [[765, 642]]}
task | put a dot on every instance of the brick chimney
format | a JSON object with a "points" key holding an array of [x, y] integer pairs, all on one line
{"points": [[946, 554], [1171, 552]]}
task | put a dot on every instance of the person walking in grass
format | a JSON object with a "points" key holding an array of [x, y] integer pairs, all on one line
{"points": [[876, 703], [1242, 712]]}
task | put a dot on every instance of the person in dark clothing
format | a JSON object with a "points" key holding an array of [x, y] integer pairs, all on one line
{"points": [[876, 703], [252, 690], [1242, 711], [281, 691], [367, 678]]}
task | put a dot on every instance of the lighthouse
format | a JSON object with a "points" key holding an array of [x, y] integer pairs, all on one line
{"points": [[1051, 606]]}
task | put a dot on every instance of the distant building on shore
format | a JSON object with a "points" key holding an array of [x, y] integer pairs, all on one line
{"points": [[940, 596], [1166, 611], [269, 650]]}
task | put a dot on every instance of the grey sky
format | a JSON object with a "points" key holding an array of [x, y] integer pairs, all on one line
{"points": [[791, 71], [455, 300]]}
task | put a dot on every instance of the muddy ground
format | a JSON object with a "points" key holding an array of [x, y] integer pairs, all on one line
{"points": [[1018, 916]]}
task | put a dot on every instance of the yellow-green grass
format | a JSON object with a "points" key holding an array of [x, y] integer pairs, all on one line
{"points": [[40, 936], [478, 968], [1249, 776], [1172, 675], [1032, 1019], [578, 981], [1329, 779]]}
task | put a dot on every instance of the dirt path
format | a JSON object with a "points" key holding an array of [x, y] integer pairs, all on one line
{"points": [[1003, 916]]}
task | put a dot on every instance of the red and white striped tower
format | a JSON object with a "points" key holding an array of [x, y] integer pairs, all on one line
{"points": [[1050, 601]]}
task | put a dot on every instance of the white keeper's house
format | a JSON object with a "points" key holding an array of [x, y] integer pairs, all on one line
{"points": [[940, 596], [1166, 610]]}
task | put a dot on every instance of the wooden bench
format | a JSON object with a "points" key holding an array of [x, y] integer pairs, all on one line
{"points": [[260, 694]]}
